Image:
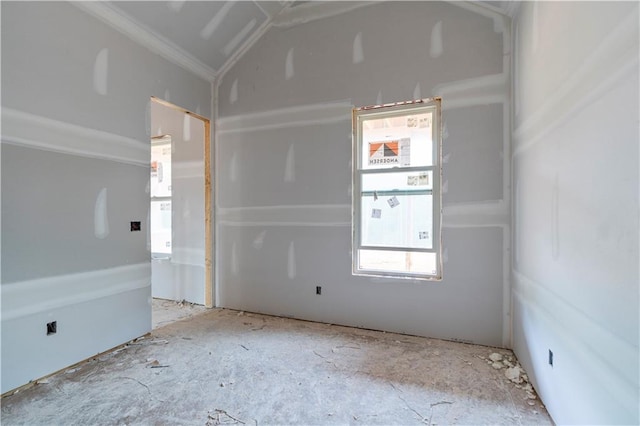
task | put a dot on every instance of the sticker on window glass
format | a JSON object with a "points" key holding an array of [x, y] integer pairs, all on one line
{"points": [[423, 235], [393, 201], [376, 213], [425, 120], [390, 153], [412, 121], [421, 179]]}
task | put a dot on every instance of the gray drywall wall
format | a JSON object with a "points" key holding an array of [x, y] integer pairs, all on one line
{"points": [[75, 166], [283, 168], [53, 232], [575, 211]]}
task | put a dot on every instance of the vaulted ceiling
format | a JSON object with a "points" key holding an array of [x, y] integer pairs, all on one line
{"points": [[206, 37]]}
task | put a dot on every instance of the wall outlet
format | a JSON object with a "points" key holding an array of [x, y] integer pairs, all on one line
{"points": [[52, 328], [550, 358], [318, 290]]}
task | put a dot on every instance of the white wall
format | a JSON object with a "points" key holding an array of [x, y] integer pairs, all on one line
{"points": [[575, 173], [283, 168], [75, 166]]}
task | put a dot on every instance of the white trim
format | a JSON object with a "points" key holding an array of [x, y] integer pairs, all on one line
{"points": [[613, 58], [24, 298], [22, 128], [144, 36], [286, 118]]}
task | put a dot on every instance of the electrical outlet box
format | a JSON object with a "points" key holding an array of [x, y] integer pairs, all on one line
{"points": [[135, 226], [550, 358], [52, 328], [318, 290]]}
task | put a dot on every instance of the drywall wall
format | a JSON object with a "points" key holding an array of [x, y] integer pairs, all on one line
{"points": [[75, 165], [575, 169], [181, 276], [283, 168]]}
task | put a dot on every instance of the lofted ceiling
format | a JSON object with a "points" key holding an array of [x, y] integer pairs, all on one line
{"points": [[207, 37]]}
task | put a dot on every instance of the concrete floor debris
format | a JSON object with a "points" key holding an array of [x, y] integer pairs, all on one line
{"points": [[168, 311], [258, 370]]}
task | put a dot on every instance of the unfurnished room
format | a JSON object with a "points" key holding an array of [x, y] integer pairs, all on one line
{"points": [[320, 212]]}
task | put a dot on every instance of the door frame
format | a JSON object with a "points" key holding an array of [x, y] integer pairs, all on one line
{"points": [[208, 211]]}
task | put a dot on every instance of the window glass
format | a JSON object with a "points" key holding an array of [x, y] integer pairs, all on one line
{"points": [[397, 197]]}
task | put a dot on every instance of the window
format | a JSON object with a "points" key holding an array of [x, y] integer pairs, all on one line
{"points": [[160, 188], [396, 190]]}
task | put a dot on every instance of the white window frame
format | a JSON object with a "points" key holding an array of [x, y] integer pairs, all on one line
{"points": [[360, 115]]}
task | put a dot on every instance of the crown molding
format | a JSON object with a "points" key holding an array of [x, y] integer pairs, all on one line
{"points": [[144, 36]]}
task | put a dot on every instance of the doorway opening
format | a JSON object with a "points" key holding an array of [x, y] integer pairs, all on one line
{"points": [[180, 231]]}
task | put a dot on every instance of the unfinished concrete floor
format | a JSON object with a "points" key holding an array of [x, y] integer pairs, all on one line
{"points": [[228, 367], [165, 312]]}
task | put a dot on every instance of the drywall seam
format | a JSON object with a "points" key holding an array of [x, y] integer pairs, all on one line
{"points": [[488, 214], [215, 187], [558, 115], [498, 208], [584, 329], [476, 222], [291, 124], [479, 214], [512, 7], [230, 47], [293, 224], [562, 317], [485, 10], [474, 91], [299, 116], [469, 224], [313, 11], [263, 10], [188, 256], [613, 58], [215, 22], [23, 298], [187, 169], [240, 51], [33, 131], [228, 210], [507, 322], [144, 36]]}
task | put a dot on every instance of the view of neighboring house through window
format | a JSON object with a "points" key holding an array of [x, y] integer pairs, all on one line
{"points": [[160, 188], [396, 190]]}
